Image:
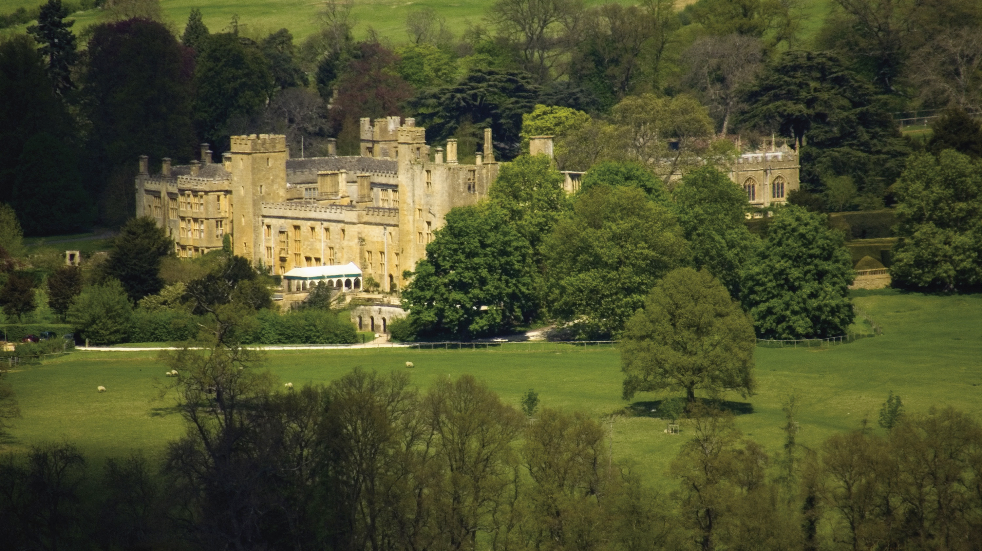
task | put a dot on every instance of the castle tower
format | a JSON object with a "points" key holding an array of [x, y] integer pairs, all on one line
{"points": [[259, 176]]}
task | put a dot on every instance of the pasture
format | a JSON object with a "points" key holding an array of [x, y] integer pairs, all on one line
{"points": [[930, 354], [387, 17]]}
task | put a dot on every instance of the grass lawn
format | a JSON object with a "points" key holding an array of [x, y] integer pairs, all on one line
{"points": [[930, 354]]}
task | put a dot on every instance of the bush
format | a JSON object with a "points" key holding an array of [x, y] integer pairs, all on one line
{"points": [[310, 326], [101, 313], [401, 330], [873, 224], [162, 326]]}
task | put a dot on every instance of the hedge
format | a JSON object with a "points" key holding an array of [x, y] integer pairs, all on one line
{"points": [[16, 332], [870, 224], [309, 326], [163, 326]]}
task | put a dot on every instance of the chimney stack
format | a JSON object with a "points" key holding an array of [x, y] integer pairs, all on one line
{"points": [[452, 152], [195, 165], [205, 154], [165, 166], [227, 161], [478, 159], [329, 183], [540, 145], [332, 147], [488, 146], [438, 156], [144, 164], [364, 188]]}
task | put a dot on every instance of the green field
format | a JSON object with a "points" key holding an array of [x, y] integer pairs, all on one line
{"points": [[260, 17], [930, 354]]}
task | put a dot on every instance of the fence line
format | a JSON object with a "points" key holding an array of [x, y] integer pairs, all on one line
{"points": [[488, 345]]}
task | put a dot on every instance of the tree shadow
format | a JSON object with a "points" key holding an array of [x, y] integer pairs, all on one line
{"points": [[164, 411], [650, 408]]}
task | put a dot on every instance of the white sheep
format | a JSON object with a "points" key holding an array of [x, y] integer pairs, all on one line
{"points": [[289, 386], [101, 388], [410, 364], [171, 373]]}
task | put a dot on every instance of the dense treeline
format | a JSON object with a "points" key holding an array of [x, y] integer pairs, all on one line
{"points": [[90, 105], [372, 462]]}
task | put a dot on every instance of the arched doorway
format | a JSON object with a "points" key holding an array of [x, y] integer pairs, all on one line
{"points": [[359, 323], [372, 318], [392, 283], [347, 284], [357, 283], [385, 327]]}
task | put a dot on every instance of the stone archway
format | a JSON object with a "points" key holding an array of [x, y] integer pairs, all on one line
{"points": [[372, 320], [347, 284]]}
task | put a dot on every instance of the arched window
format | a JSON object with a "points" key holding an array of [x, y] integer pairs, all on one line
{"points": [[777, 188], [359, 323], [750, 187], [372, 320]]}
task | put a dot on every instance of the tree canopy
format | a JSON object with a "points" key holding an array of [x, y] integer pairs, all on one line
{"points": [[689, 336], [606, 255], [940, 229], [135, 255], [58, 44], [477, 278], [628, 174], [797, 285]]}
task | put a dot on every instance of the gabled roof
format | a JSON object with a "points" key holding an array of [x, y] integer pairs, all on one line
{"points": [[324, 272]]}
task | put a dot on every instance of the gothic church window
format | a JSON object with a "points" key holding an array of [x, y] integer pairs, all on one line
{"points": [[777, 188], [750, 187]]}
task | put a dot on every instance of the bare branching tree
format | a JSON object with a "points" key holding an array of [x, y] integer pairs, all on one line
{"points": [[948, 70], [718, 67], [427, 26], [542, 30]]}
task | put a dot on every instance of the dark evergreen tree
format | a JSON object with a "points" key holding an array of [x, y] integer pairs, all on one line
{"points": [[17, 295], [58, 43], [48, 194], [281, 55], [135, 255], [63, 286], [232, 80], [195, 32], [956, 129], [810, 97]]}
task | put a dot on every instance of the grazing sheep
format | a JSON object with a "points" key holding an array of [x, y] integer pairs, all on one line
{"points": [[410, 364], [289, 386], [171, 373], [101, 388]]}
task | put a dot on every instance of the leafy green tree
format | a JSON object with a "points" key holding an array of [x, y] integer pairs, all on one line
{"points": [[551, 120], [231, 78], [135, 255], [797, 285], [774, 20], [101, 313], [604, 257], [11, 234], [690, 336], [17, 295], [233, 282], [64, 284], [195, 32], [940, 229], [58, 44], [891, 411], [483, 98], [626, 173], [281, 55], [814, 99], [423, 65], [711, 211], [956, 129], [477, 277], [531, 193]]}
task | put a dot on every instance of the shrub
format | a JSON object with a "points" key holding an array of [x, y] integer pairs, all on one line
{"points": [[17, 332], [401, 330], [162, 326], [101, 313], [310, 326]]}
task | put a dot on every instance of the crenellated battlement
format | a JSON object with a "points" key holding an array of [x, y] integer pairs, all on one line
{"points": [[262, 143]]}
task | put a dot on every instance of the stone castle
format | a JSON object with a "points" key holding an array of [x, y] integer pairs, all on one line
{"points": [[377, 210]]}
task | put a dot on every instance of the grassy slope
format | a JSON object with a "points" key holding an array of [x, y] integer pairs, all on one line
{"points": [[930, 355], [386, 16]]}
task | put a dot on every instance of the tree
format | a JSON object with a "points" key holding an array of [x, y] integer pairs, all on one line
{"points": [[843, 129], [719, 67], [11, 234], [712, 213], [940, 224], [425, 66], [948, 69], [628, 174], [58, 44], [956, 129], [17, 295], [48, 193], [550, 120], [64, 284], [231, 79], [477, 277], [281, 56], [606, 255], [474, 433], [195, 32], [797, 285], [665, 134], [777, 21], [138, 93], [426, 26], [301, 115], [483, 98], [101, 313], [690, 336], [530, 191], [135, 255], [123, 10], [538, 28], [230, 289]]}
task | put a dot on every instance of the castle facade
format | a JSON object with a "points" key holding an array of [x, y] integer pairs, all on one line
{"points": [[378, 209]]}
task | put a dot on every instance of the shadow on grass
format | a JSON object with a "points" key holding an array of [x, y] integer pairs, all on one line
{"points": [[650, 408], [165, 411]]}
